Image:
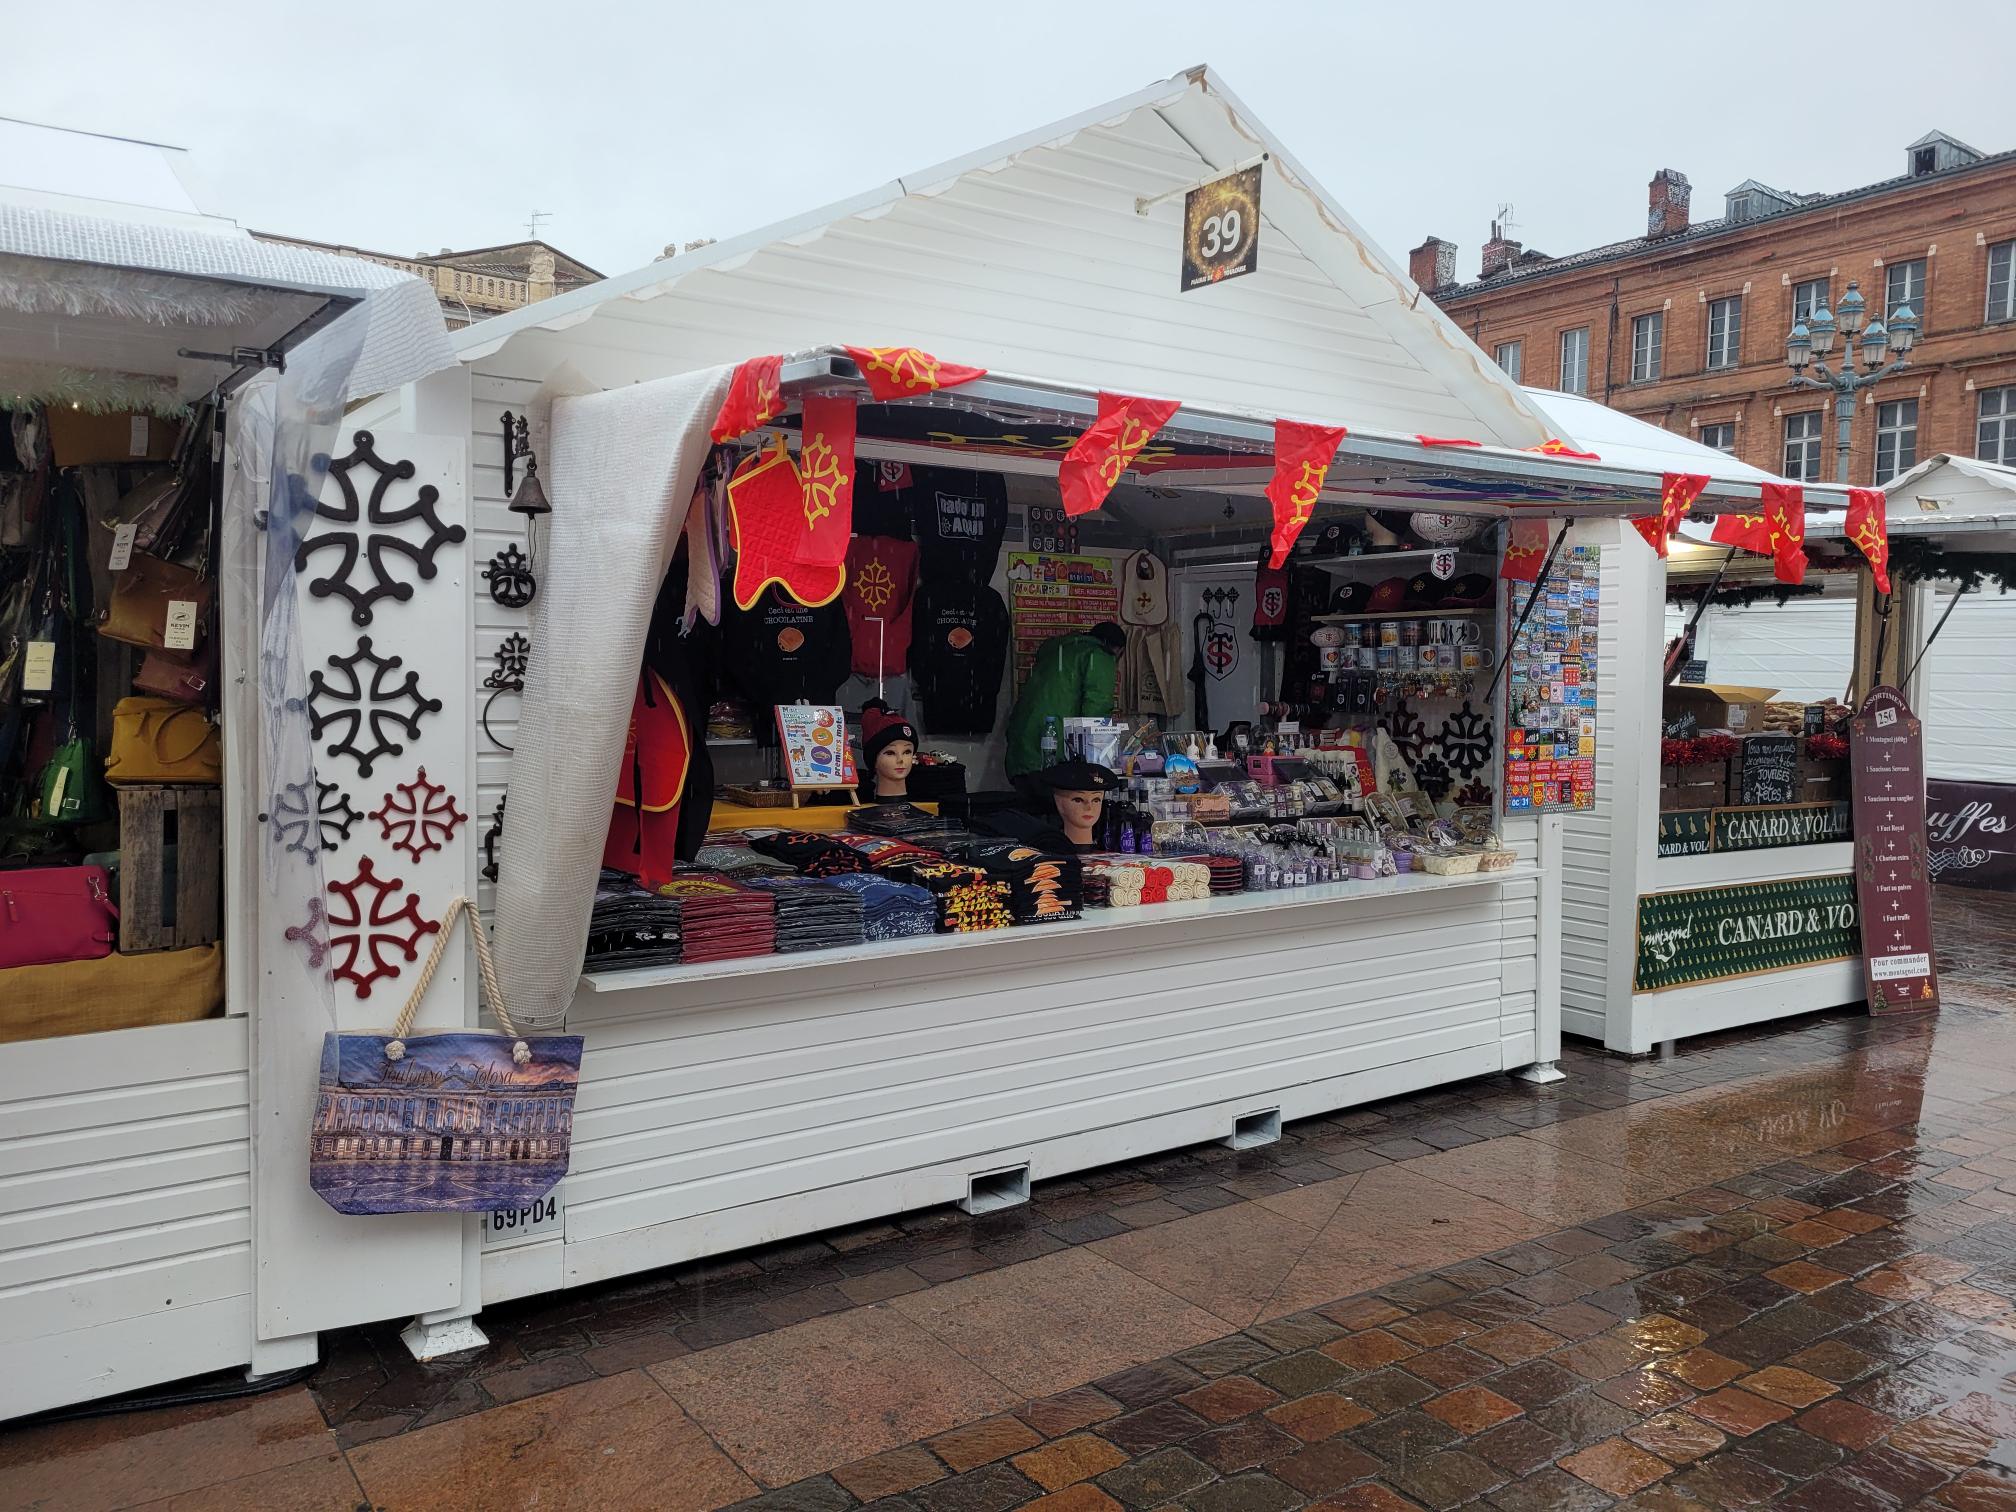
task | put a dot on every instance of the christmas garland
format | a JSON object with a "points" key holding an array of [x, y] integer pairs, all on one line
{"points": [[1696, 750], [1743, 597], [1916, 559], [1826, 747]]}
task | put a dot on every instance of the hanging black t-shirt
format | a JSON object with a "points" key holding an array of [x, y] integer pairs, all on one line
{"points": [[958, 647], [780, 652], [958, 519]]}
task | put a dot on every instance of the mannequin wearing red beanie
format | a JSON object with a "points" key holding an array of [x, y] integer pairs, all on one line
{"points": [[888, 751]]}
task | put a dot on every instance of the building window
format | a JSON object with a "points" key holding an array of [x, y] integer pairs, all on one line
{"points": [[1995, 430], [1896, 438], [1648, 346], [1722, 437], [1506, 354], [1904, 284], [2002, 281], [1575, 361], [1809, 296], [1725, 332], [1802, 446]]}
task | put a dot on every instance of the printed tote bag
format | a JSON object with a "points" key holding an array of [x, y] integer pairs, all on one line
{"points": [[459, 1121]]}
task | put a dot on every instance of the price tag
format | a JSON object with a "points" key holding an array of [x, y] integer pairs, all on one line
{"points": [[122, 548], [136, 436], [180, 634], [38, 672]]}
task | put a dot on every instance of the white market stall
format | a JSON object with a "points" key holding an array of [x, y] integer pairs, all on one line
{"points": [[150, 1112], [1662, 843]]}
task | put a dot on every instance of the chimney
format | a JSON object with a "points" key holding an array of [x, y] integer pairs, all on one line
{"points": [[539, 279], [1498, 252], [1432, 265], [1666, 204]]}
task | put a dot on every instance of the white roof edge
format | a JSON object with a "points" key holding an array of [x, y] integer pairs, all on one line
{"points": [[1994, 473], [487, 336]]}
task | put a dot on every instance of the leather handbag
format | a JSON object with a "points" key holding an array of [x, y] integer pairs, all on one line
{"points": [[159, 740], [454, 1121], [184, 676], [138, 612], [50, 914]]}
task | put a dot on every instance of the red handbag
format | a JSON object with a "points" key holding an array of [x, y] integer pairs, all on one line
{"points": [[184, 676], [56, 913]]}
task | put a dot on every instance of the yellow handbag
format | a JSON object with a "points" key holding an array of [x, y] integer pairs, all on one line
{"points": [[159, 740]]}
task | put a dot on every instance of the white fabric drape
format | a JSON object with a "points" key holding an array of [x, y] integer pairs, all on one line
{"points": [[621, 472]]}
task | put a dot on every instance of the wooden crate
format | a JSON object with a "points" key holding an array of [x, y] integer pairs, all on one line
{"points": [[150, 818], [1698, 785], [1824, 781]]}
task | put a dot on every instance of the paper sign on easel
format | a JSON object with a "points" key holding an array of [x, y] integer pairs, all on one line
{"points": [[813, 739]]}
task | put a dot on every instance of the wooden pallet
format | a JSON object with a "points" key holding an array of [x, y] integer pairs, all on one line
{"points": [[150, 819]]}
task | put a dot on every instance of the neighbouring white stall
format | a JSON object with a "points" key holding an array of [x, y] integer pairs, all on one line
{"points": [[147, 1163], [1653, 857]]}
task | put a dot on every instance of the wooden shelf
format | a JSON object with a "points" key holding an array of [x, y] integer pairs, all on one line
{"points": [[1401, 614], [1479, 560]]}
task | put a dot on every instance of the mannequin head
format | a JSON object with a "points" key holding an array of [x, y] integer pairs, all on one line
{"points": [[892, 768], [889, 748], [1079, 814]]}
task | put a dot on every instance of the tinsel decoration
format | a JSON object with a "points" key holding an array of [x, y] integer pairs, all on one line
{"points": [[1696, 751], [1825, 747], [98, 393], [44, 286]]}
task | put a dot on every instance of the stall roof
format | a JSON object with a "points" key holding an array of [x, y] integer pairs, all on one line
{"points": [[1057, 254], [126, 275], [1954, 498], [1626, 441]]}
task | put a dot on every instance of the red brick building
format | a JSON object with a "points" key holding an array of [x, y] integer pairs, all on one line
{"points": [[1685, 326]]}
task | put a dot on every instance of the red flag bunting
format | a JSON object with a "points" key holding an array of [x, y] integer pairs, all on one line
{"points": [[755, 397], [1785, 514], [826, 471], [1302, 456], [1677, 493], [1749, 532], [1525, 550], [1556, 447], [1108, 448], [1869, 529], [905, 372], [766, 508], [1445, 440]]}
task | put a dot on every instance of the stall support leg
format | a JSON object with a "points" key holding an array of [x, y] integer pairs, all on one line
{"points": [[449, 1330], [1540, 1074], [276, 1356], [1547, 972]]}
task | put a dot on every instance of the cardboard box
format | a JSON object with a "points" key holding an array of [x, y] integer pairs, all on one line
{"points": [[83, 440], [1719, 706]]}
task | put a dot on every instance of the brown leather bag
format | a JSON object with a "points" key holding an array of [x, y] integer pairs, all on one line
{"points": [[138, 612], [157, 741], [185, 676]]}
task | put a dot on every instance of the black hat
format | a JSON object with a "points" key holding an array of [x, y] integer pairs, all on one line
{"points": [[1470, 591], [1351, 598], [1079, 777]]}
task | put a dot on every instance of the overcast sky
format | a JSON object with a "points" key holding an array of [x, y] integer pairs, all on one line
{"points": [[416, 126]]}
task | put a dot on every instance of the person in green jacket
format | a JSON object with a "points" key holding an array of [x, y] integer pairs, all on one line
{"points": [[1073, 676]]}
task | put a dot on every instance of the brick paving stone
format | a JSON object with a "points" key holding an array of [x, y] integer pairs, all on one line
{"points": [[1228, 1398], [1153, 1427], [1388, 1390], [1139, 1385], [1803, 1276], [1676, 1437], [1942, 1441], [1793, 1388], [1703, 1369], [1980, 1491], [1155, 1479], [1319, 1469], [1434, 1328], [1362, 1313], [1645, 1390], [1403, 1436], [1227, 1356], [1537, 1383], [1300, 1331], [1079, 1498], [1451, 1365], [1252, 1492], [1472, 1409], [1515, 1343], [1299, 1374], [1730, 1481], [1446, 1480], [1369, 1350], [984, 1442], [1616, 1466], [992, 1488], [1791, 1452], [1066, 1461], [1068, 1411], [1370, 1497], [1321, 1415], [1519, 1448], [1738, 1412], [1583, 1419], [1832, 1360], [891, 1474], [1836, 1491], [1551, 1490], [1242, 1445], [1849, 1424]]}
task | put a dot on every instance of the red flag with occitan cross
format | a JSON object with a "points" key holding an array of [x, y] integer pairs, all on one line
{"points": [[1677, 493], [1869, 529], [1099, 457], [905, 372], [755, 397], [1302, 455]]}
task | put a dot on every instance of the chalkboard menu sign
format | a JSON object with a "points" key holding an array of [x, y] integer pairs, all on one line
{"points": [[1770, 768]]}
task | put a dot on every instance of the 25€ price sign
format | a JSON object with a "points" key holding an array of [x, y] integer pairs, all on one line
{"points": [[1221, 229]]}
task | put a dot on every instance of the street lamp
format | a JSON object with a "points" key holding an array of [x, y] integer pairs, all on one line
{"points": [[1811, 342]]}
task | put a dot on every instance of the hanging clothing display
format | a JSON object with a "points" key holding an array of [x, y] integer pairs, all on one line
{"points": [[958, 519], [958, 650], [881, 584], [780, 652], [1152, 671]]}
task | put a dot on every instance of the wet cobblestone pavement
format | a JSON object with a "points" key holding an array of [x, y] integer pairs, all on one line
{"points": [[1776, 1269]]}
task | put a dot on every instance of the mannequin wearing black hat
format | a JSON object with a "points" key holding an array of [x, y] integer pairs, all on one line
{"points": [[1078, 789], [889, 749]]}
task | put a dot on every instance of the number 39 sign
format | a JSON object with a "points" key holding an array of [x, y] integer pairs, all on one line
{"points": [[1221, 228]]}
